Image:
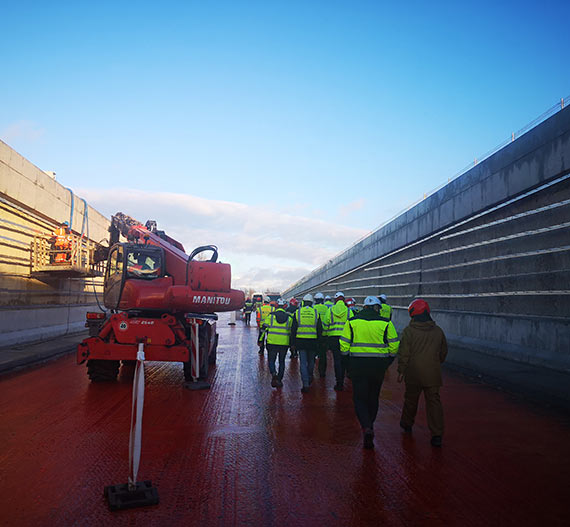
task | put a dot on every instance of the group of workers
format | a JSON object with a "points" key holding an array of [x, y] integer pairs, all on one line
{"points": [[363, 344]]}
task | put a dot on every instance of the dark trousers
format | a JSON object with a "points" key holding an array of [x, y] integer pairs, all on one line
{"points": [[366, 386], [338, 359], [434, 409], [322, 356], [261, 339], [247, 317], [272, 351]]}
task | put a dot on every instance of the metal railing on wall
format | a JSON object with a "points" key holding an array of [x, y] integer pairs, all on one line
{"points": [[559, 106]]}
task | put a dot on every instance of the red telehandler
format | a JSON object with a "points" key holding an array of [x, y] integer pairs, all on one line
{"points": [[159, 296]]}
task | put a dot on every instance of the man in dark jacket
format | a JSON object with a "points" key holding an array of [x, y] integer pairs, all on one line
{"points": [[423, 348], [247, 310]]}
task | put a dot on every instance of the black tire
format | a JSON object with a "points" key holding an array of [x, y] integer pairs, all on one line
{"points": [[187, 370], [102, 370], [204, 360], [214, 353]]}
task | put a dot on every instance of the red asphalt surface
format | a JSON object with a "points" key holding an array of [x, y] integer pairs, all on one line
{"points": [[244, 453]]}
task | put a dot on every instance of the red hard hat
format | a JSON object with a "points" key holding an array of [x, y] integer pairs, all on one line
{"points": [[294, 302], [417, 307], [350, 302]]}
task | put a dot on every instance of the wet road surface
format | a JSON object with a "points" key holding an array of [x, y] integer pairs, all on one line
{"points": [[244, 453]]}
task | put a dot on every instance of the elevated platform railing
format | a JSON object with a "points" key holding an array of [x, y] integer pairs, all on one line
{"points": [[75, 259]]}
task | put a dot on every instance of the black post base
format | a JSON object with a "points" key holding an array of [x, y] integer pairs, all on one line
{"points": [[119, 497]]}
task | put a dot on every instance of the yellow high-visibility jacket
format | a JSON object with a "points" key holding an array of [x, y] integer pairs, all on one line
{"points": [[369, 335]]}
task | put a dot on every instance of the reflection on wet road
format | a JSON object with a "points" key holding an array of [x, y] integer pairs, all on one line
{"points": [[244, 453]]}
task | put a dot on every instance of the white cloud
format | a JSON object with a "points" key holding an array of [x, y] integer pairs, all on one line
{"points": [[21, 131], [263, 246], [264, 278], [349, 208]]}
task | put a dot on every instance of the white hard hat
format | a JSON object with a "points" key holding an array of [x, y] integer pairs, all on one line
{"points": [[372, 301], [319, 296], [280, 302], [308, 297], [339, 294], [328, 297], [383, 298]]}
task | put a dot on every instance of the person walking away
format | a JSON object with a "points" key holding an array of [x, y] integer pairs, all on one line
{"points": [[371, 343], [351, 305], [306, 334], [278, 330], [385, 310], [336, 318], [422, 350], [262, 312], [291, 308], [247, 310], [328, 301], [322, 351]]}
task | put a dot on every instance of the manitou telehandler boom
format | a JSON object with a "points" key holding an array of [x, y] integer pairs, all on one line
{"points": [[159, 296]]}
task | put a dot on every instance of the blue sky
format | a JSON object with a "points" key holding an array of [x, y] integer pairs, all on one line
{"points": [[281, 131]]}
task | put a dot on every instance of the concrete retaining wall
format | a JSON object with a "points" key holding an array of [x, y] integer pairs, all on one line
{"points": [[31, 202], [490, 252]]}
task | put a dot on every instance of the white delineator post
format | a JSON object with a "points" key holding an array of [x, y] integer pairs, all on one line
{"points": [[135, 437]]}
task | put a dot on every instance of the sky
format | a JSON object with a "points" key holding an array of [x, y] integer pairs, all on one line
{"points": [[282, 132]]}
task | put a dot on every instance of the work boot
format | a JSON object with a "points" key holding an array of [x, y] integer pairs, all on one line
{"points": [[368, 438], [338, 387], [260, 350], [274, 381], [279, 383], [305, 389], [406, 428], [436, 441]]}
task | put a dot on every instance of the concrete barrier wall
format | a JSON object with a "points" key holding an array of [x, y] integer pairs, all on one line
{"points": [[490, 252], [32, 203]]}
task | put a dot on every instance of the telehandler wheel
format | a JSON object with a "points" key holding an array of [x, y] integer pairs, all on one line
{"points": [[204, 360], [102, 370], [214, 353]]}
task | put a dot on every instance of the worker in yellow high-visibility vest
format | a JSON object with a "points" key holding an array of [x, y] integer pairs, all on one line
{"points": [[322, 351], [306, 336], [371, 343], [277, 328], [385, 310], [262, 312], [334, 322]]}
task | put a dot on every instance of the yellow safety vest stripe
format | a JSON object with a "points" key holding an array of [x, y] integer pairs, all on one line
{"points": [[307, 318], [278, 333], [323, 310], [369, 338], [336, 321]]}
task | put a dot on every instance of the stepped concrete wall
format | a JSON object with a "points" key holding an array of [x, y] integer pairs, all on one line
{"points": [[31, 202], [490, 252]]}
